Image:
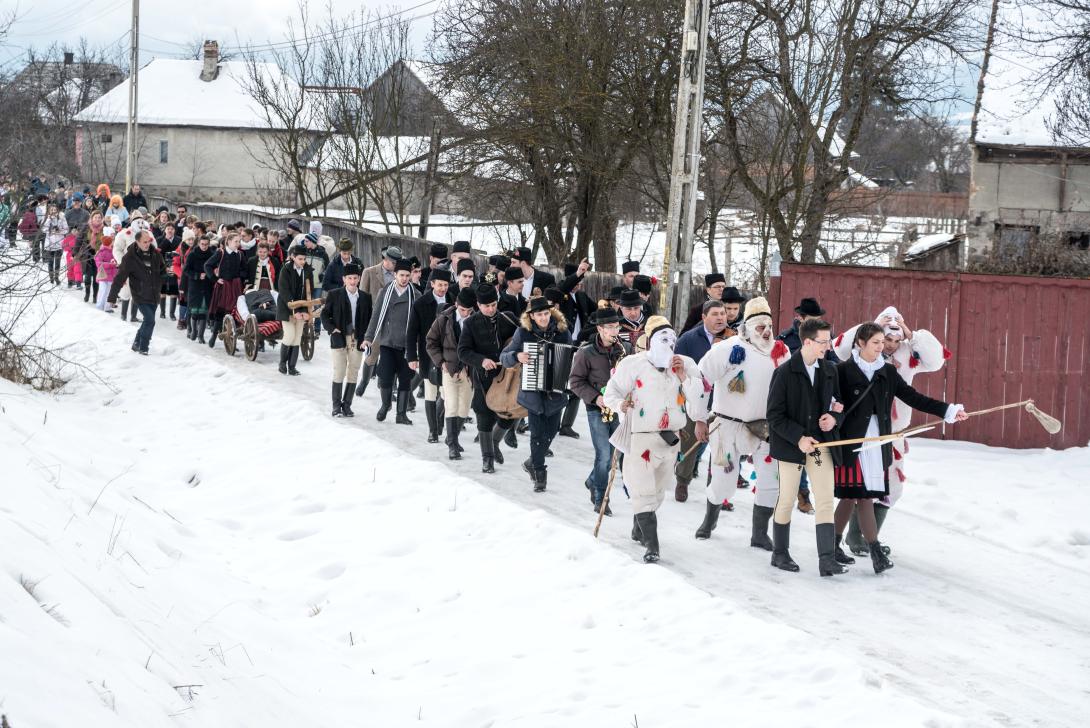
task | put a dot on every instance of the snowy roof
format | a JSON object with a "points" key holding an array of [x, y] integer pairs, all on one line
{"points": [[171, 93], [928, 243]]}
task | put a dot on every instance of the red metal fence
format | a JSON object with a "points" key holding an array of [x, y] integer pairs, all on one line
{"points": [[1011, 338]]}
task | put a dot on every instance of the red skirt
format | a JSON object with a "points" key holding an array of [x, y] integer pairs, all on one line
{"points": [[848, 482], [225, 296]]}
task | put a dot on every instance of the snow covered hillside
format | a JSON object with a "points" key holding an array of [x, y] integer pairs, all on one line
{"points": [[200, 544]]}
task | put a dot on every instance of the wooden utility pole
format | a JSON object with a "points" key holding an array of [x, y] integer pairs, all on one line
{"points": [[134, 67], [429, 178], [685, 165]]}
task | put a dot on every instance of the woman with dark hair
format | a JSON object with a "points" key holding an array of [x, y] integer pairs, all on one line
{"points": [[227, 268], [198, 288], [868, 385]]}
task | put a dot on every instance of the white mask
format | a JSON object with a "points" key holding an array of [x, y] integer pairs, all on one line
{"points": [[749, 333], [661, 348]]}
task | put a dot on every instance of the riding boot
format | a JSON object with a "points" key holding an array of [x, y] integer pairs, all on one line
{"points": [[202, 322], [216, 322], [649, 529], [878, 559], [433, 423], [338, 392], [487, 463], [571, 411], [440, 416], [541, 479], [758, 538], [838, 553], [173, 309], [510, 439], [365, 379], [162, 308], [86, 292], [854, 537], [386, 395], [497, 435], [124, 310], [293, 359], [826, 546], [190, 328], [402, 407], [636, 535], [453, 451], [711, 519], [346, 399], [411, 401], [132, 313], [781, 540], [285, 354], [94, 291]]}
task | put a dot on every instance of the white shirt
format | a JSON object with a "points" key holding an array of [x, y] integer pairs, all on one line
{"points": [[353, 299], [811, 369], [439, 301], [528, 286]]}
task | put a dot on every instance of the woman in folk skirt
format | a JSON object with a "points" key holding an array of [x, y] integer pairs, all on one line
{"points": [[868, 385], [198, 291], [228, 267]]}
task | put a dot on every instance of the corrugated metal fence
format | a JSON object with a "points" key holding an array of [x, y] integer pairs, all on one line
{"points": [[1011, 338]]}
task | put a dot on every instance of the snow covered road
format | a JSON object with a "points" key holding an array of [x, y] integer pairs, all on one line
{"points": [[982, 622]]}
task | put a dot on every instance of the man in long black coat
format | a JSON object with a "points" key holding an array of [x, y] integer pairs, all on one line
{"points": [[421, 317], [291, 286], [346, 314]]}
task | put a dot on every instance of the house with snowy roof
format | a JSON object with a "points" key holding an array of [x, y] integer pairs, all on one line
{"points": [[1024, 182], [202, 135]]}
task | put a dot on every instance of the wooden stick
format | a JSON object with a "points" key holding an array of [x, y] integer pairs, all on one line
{"points": [[609, 488], [697, 444], [908, 432]]}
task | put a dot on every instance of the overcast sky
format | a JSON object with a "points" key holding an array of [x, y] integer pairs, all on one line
{"points": [[167, 28]]}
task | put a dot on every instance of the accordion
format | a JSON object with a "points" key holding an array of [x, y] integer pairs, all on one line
{"points": [[549, 366]]}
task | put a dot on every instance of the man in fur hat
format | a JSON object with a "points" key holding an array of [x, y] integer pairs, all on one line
{"points": [[390, 326], [534, 281], [656, 389], [421, 318], [912, 352], [512, 300], [346, 313], [629, 270], [437, 258], [442, 347], [740, 369], [465, 274]]}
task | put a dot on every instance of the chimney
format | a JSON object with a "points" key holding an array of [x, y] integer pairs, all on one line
{"points": [[69, 58], [211, 60]]}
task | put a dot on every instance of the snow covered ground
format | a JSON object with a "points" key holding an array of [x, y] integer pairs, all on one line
{"points": [[199, 543]]}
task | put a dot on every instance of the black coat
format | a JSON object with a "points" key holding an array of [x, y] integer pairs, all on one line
{"points": [[484, 338], [334, 272], [513, 305], [795, 405], [860, 403], [421, 317], [144, 272], [132, 201], [790, 337], [290, 287], [198, 291], [337, 312], [251, 270], [577, 308], [543, 279], [226, 266]]}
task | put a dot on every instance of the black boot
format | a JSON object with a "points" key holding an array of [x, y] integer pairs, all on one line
{"points": [[510, 439], [454, 452], [571, 411], [758, 538], [124, 310], [878, 559], [636, 535], [293, 359], [523, 427], [162, 308], [403, 396], [346, 399], [826, 547], [173, 308], [880, 513], [86, 292], [854, 537], [216, 321], [338, 391], [132, 314], [365, 379], [529, 469], [649, 528], [781, 540], [411, 401], [191, 328], [440, 416], [386, 395], [432, 415], [285, 354], [202, 323], [711, 518], [498, 433], [541, 479], [487, 463], [839, 555]]}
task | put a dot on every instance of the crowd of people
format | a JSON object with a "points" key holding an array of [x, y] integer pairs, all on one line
{"points": [[509, 348]]}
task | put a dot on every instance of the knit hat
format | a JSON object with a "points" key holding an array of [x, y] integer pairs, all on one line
{"points": [[353, 269], [311, 238], [467, 298], [295, 225], [655, 324], [486, 295], [630, 266], [315, 227], [344, 244], [466, 264], [438, 250], [757, 307]]}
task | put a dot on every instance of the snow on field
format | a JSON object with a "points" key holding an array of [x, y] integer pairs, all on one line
{"points": [[199, 543]]}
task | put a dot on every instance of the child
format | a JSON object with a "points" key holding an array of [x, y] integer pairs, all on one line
{"points": [[107, 269]]}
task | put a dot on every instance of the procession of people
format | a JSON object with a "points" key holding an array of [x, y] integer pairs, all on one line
{"points": [[725, 402]]}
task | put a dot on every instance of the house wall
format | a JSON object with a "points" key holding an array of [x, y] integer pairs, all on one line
{"points": [[205, 164], [1048, 195]]}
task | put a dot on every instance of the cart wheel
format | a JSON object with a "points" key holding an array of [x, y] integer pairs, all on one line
{"points": [[250, 337], [229, 335], [307, 342]]}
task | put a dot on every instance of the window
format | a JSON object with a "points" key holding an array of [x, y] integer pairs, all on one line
{"points": [[163, 151], [1015, 240], [107, 138], [1079, 240]]}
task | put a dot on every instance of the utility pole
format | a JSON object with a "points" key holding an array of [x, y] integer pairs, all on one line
{"points": [[134, 66], [429, 178], [685, 167]]}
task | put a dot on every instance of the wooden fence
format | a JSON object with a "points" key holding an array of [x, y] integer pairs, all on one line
{"points": [[1011, 338]]}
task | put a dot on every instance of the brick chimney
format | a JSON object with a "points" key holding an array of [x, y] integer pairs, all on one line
{"points": [[211, 60]]}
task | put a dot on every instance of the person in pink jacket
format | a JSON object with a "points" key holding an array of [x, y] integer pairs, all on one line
{"points": [[107, 269], [73, 270]]}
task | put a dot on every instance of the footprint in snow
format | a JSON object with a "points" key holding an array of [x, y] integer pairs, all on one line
{"points": [[218, 374], [297, 534], [330, 571], [1079, 538], [309, 508]]}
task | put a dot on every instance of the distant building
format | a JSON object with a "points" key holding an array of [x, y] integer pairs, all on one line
{"points": [[202, 137], [64, 88]]}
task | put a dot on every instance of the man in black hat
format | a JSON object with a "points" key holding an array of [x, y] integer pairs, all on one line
{"points": [[644, 285], [534, 279], [442, 346], [611, 299], [334, 273], [483, 337], [346, 313], [291, 286], [437, 258], [390, 326], [632, 315], [589, 374], [512, 300], [465, 274], [715, 287], [498, 263], [461, 251], [629, 270], [376, 278], [577, 306], [421, 318]]}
